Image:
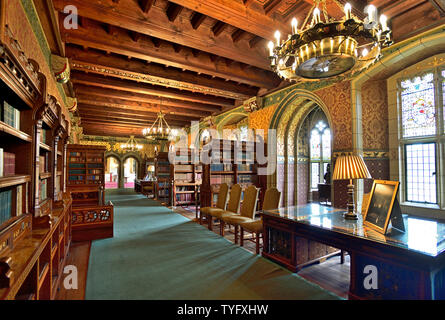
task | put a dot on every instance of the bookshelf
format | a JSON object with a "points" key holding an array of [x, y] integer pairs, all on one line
{"points": [[86, 174], [162, 174], [230, 162], [35, 212], [186, 175]]}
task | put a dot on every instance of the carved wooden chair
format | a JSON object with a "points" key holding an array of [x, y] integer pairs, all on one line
{"points": [[271, 201], [247, 211], [220, 203], [232, 207]]}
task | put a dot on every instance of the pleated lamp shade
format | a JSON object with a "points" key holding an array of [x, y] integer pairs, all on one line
{"points": [[350, 167]]}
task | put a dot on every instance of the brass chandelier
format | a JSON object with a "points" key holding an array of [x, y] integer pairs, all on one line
{"points": [[329, 48], [131, 145], [159, 130]]}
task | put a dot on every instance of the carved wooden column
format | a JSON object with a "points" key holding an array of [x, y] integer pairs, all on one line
{"points": [[38, 131]]}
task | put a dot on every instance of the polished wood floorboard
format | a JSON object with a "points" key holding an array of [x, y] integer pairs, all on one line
{"points": [[79, 256]]}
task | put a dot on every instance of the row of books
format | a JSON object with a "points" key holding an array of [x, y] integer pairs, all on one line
{"points": [[246, 178], [218, 179], [10, 115], [77, 159], [183, 177], [221, 167], [77, 171], [95, 165], [43, 134], [95, 160], [95, 178], [76, 154], [44, 163], [76, 165], [7, 163], [5, 205], [185, 198], [43, 188], [184, 167], [246, 167], [95, 171]]}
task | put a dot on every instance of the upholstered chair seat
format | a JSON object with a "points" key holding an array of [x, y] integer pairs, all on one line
{"points": [[271, 201], [247, 212], [232, 207], [220, 203]]}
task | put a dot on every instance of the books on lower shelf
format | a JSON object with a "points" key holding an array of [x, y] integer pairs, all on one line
{"points": [[43, 187], [43, 163], [19, 203], [7, 163], [5, 205]]}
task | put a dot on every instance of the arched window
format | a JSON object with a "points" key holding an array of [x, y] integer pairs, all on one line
{"points": [[320, 152], [421, 104]]}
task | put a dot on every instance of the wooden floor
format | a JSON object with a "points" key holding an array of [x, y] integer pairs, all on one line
{"points": [[330, 275], [79, 255]]}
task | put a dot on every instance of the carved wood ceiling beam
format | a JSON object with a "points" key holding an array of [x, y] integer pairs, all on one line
{"points": [[146, 5], [99, 63], [134, 113], [237, 14], [146, 89], [96, 37], [107, 102], [117, 118], [155, 23], [130, 96]]}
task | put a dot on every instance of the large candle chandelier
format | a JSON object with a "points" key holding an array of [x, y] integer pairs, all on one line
{"points": [[159, 130], [325, 49]]}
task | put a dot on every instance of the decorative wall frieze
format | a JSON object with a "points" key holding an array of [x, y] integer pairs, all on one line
{"points": [[253, 104], [153, 80]]}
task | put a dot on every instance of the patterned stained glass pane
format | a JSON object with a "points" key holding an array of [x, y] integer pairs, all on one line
{"points": [[326, 142], [315, 175], [418, 106], [421, 172], [315, 145]]}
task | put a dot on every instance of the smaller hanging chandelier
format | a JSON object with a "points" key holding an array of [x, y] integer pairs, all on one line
{"points": [[159, 130], [329, 48], [131, 145]]}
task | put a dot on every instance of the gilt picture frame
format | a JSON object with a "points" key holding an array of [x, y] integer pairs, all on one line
{"points": [[380, 205]]}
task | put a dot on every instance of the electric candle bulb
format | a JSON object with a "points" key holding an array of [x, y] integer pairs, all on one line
{"points": [[348, 10], [364, 52], [270, 45], [277, 36], [371, 13], [294, 26], [383, 22], [317, 15]]}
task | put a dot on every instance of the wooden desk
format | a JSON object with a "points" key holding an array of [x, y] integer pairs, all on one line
{"points": [[410, 265]]}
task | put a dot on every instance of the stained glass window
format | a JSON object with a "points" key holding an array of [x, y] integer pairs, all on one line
{"points": [[315, 145], [320, 152], [326, 142], [418, 106], [315, 175], [421, 172]]}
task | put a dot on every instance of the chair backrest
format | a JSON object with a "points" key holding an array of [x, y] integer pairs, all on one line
{"points": [[222, 196], [272, 199], [250, 200], [234, 198]]}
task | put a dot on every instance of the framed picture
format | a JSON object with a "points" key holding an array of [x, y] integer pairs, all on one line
{"points": [[380, 205]]}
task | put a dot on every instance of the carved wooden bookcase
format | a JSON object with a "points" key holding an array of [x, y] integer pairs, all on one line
{"points": [[35, 233], [85, 179]]}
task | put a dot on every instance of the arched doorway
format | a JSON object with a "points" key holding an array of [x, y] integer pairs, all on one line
{"points": [[131, 166], [112, 172], [293, 121]]}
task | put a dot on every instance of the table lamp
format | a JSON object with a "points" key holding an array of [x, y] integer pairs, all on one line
{"points": [[349, 167]]}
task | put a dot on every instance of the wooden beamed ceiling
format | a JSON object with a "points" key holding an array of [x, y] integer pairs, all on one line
{"points": [[189, 58]]}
